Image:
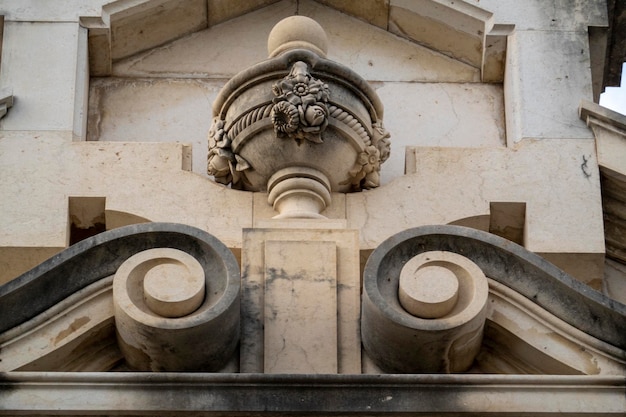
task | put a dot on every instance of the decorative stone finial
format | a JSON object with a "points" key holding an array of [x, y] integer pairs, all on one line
{"points": [[298, 125], [297, 32]]}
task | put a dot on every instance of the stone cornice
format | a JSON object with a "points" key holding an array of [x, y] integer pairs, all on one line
{"points": [[169, 394]]}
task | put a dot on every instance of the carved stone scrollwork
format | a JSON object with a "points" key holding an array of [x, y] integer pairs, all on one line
{"points": [[424, 313], [174, 314]]}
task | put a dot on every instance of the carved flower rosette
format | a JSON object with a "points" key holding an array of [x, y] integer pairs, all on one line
{"points": [[300, 110]]}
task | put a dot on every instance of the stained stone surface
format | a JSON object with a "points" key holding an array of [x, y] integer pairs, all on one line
{"points": [[434, 322], [301, 310], [286, 238]]}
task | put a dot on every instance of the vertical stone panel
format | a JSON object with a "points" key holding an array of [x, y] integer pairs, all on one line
{"points": [[289, 268], [300, 307]]}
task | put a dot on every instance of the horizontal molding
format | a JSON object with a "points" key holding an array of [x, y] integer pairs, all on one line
{"points": [[178, 394]]}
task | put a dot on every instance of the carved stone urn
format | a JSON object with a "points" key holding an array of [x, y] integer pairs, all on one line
{"points": [[297, 125]]}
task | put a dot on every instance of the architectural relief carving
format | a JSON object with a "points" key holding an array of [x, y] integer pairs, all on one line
{"points": [[433, 321], [171, 315], [373, 301], [331, 115], [300, 110]]}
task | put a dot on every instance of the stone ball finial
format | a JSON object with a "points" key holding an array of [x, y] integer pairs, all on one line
{"points": [[297, 32]]}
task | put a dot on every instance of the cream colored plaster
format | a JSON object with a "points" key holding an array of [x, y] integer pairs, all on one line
{"points": [[560, 189]]}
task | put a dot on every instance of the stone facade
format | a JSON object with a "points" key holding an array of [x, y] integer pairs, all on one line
{"points": [[291, 207]]}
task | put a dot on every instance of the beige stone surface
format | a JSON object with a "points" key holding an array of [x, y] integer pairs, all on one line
{"points": [[45, 75], [445, 185], [300, 326], [429, 292], [65, 337], [455, 28], [297, 32], [51, 11], [147, 180], [263, 213], [136, 28], [221, 11], [175, 284], [437, 326], [544, 86], [153, 110], [439, 115], [254, 267], [158, 329], [375, 12], [531, 340], [540, 15], [225, 49], [615, 280]]}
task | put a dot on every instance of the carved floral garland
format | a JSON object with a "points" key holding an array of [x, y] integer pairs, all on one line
{"points": [[300, 112]]}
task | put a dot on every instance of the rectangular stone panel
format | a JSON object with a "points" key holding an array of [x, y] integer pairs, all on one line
{"points": [[257, 261], [300, 307]]}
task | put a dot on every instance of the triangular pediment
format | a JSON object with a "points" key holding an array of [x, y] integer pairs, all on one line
{"points": [[422, 41]]}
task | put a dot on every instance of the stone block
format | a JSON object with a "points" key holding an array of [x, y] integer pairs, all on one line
{"points": [[258, 245], [300, 317], [220, 11], [263, 213], [466, 180], [171, 110], [223, 50], [550, 73], [442, 114], [149, 24], [44, 74], [375, 12], [457, 29], [539, 15], [132, 177]]}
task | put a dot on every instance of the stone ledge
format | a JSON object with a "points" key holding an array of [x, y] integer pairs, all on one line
{"points": [[169, 394]]}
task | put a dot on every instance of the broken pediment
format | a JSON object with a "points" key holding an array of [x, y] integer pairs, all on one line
{"points": [[537, 319]]}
